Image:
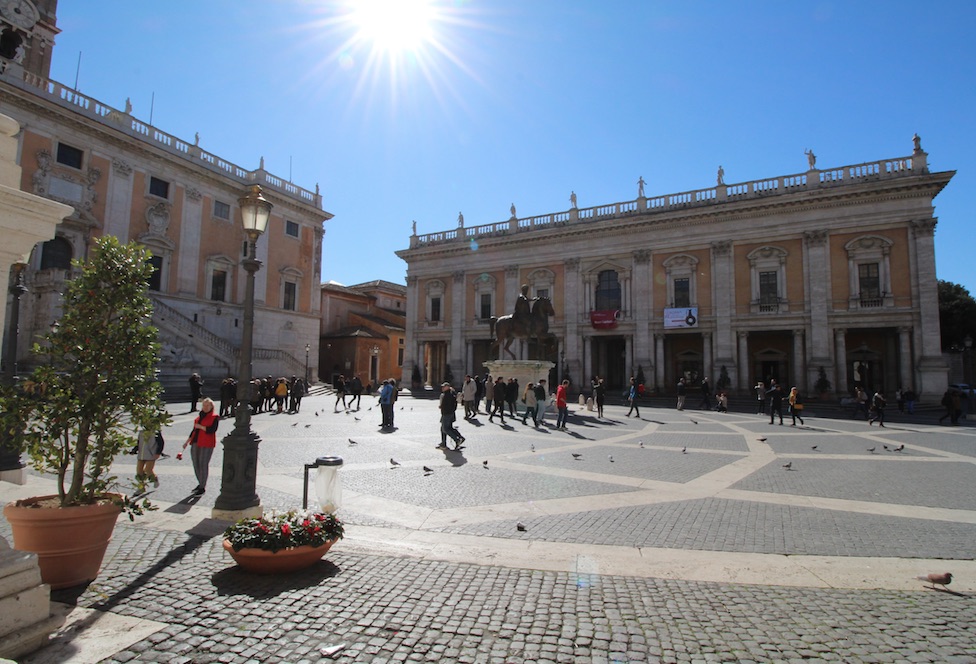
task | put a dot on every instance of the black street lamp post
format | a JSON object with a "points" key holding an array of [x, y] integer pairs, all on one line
{"points": [[238, 484], [308, 347]]}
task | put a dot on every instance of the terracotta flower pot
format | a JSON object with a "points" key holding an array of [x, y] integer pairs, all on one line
{"points": [[260, 561], [70, 542]]}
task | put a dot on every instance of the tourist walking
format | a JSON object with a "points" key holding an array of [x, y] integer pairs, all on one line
{"points": [[760, 389], [541, 401], [682, 392], [562, 405], [706, 400], [796, 406], [632, 396], [776, 403], [531, 404], [150, 449], [468, 392], [860, 403], [355, 389], [599, 395], [448, 408], [386, 405], [498, 400], [878, 404], [340, 389]]}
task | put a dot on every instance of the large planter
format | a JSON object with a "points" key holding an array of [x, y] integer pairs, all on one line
{"points": [[70, 542], [282, 561]]}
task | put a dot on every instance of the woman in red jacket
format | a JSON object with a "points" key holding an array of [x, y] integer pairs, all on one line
{"points": [[203, 438]]}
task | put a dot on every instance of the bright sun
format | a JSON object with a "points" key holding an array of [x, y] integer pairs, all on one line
{"points": [[393, 25]]}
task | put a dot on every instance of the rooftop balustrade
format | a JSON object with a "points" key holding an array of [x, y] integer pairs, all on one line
{"points": [[123, 121], [699, 198]]}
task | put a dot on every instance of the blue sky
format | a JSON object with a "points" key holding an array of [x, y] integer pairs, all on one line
{"points": [[523, 101]]}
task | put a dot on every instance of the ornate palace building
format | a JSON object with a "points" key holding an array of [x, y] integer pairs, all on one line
{"points": [[776, 278], [127, 178]]}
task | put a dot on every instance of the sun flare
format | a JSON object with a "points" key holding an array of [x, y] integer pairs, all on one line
{"points": [[394, 25]]}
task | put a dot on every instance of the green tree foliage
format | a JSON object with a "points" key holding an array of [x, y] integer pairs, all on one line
{"points": [[957, 314], [97, 387]]}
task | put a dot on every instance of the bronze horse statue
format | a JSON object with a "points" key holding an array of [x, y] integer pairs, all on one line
{"points": [[534, 325]]}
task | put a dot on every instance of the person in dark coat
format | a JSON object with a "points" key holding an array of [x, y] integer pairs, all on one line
{"points": [[775, 403], [196, 390], [498, 400]]}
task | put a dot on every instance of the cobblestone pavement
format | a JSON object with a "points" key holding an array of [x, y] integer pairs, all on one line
{"points": [[704, 486]]}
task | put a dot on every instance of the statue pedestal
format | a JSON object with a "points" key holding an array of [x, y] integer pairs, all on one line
{"points": [[524, 371]]}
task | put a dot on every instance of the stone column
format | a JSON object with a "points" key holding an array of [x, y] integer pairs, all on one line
{"points": [[187, 260], [512, 287], [906, 378], [840, 353], [455, 356], [587, 361], [410, 352], [641, 294], [723, 298], [799, 370], [707, 364], [571, 314], [744, 362], [932, 369], [659, 361], [816, 279], [629, 368]]}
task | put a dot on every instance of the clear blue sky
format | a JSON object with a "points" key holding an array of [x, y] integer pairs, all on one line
{"points": [[522, 101]]}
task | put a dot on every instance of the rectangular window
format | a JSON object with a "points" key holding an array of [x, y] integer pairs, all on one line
{"points": [[399, 357], [869, 281], [218, 286], [542, 292], [435, 309], [291, 296], [221, 210], [70, 155], [485, 305], [156, 279], [682, 293], [768, 291], [867, 274], [291, 228], [244, 249], [158, 187]]}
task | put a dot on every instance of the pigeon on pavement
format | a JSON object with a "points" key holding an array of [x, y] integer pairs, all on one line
{"points": [[762, 440], [577, 455], [788, 466], [532, 447], [393, 462], [684, 450], [611, 458], [935, 579], [886, 447], [693, 421], [428, 470], [813, 447], [295, 424], [872, 449], [307, 425], [485, 463], [900, 447], [641, 444], [353, 442], [520, 527], [357, 419]]}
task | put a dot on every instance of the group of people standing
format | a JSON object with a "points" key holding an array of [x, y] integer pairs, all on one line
{"points": [[777, 398]]}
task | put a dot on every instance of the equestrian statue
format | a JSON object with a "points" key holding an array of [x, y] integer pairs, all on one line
{"points": [[530, 320]]}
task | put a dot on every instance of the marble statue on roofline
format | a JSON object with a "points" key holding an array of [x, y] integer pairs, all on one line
{"points": [[811, 158]]}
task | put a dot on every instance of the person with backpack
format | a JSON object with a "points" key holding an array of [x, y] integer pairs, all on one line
{"points": [[448, 406], [632, 396], [531, 405]]}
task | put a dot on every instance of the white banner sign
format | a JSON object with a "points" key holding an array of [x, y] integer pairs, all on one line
{"points": [[675, 318]]}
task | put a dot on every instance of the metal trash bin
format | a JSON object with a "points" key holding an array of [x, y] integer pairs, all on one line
{"points": [[328, 485]]}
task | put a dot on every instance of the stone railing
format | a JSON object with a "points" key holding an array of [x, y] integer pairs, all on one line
{"points": [[175, 319], [123, 121], [294, 366], [723, 193]]}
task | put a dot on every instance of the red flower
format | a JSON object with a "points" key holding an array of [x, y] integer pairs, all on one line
{"points": [[285, 530]]}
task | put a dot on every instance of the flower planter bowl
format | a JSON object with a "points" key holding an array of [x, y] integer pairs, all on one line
{"points": [[70, 542], [282, 561]]}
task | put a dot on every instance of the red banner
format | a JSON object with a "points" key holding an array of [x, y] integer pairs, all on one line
{"points": [[604, 320]]}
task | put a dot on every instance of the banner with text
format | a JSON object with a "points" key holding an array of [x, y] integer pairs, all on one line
{"points": [[677, 318]]}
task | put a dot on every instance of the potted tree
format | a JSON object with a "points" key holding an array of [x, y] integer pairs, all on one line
{"points": [[83, 406], [822, 386]]}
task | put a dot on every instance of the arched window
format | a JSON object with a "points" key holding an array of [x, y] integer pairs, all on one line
{"points": [[608, 291], [56, 254]]}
